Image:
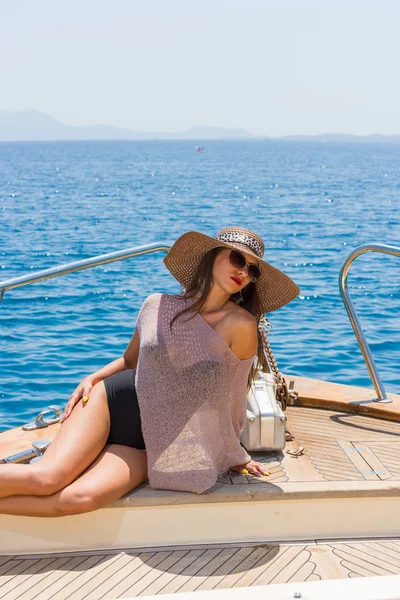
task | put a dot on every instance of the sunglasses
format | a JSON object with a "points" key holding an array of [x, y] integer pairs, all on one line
{"points": [[238, 261]]}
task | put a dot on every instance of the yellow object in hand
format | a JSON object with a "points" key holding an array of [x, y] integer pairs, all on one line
{"points": [[245, 472], [85, 399]]}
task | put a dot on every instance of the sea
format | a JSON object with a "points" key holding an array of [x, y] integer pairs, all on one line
{"points": [[313, 203]]}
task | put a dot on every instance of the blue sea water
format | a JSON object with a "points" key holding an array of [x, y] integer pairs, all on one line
{"points": [[312, 203]]}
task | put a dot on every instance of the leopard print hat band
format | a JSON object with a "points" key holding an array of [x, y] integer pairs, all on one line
{"points": [[250, 239]]}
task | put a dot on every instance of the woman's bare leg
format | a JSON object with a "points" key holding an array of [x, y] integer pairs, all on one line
{"points": [[116, 471], [76, 445]]}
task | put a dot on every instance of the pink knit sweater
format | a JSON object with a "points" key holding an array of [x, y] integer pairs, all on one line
{"points": [[191, 389]]}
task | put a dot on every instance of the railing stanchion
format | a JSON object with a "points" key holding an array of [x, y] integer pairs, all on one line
{"points": [[354, 320]]}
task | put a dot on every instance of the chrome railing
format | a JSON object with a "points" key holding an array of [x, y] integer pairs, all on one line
{"points": [[354, 320], [80, 265], [95, 261]]}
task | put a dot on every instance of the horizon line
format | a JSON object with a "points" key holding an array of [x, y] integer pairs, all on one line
{"points": [[156, 133]]}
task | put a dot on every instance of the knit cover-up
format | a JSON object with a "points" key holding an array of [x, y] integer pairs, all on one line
{"points": [[191, 389]]}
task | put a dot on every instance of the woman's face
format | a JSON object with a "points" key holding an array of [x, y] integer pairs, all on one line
{"points": [[231, 279]]}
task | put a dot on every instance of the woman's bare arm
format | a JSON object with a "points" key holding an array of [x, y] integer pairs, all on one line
{"points": [[127, 361], [131, 353]]}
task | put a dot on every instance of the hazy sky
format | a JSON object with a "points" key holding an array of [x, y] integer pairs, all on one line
{"points": [[273, 67]]}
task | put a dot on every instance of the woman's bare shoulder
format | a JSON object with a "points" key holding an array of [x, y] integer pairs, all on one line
{"points": [[240, 314], [243, 327]]}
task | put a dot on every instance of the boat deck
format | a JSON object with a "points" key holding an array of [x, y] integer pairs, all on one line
{"points": [[353, 450], [330, 512], [96, 575]]}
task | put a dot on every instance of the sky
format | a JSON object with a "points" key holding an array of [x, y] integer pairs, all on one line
{"points": [[273, 67]]}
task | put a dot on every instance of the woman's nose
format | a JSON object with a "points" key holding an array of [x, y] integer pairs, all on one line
{"points": [[243, 271]]}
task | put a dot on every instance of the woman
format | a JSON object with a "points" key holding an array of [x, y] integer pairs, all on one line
{"points": [[195, 364]]}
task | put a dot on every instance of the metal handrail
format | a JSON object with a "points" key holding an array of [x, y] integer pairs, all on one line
{"points": [[102, 259], [354, 320], [80, 265]]}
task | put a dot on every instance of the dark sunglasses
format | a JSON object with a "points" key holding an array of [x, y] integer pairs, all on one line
{"points": [[238, 261]]}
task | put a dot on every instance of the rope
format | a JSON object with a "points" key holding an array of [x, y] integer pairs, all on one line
{"points": [[282, 392]]}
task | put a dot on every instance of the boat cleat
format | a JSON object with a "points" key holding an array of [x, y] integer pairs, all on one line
{"points": [[44, 421], [40, 447]]}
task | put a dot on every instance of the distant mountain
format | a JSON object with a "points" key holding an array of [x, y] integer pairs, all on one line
{"points": [[34, 125], [342, 137]]}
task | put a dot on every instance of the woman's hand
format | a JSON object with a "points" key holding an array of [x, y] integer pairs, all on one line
{"points": [[82, 392], [252, 468]]}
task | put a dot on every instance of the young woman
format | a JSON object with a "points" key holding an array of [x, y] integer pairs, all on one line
{"points": [[174, 406]]}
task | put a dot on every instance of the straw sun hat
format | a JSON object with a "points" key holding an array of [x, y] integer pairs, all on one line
{"points": [[274, 288]]}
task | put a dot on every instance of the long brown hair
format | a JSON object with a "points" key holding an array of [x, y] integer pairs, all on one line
{"points": [[202, 283]]}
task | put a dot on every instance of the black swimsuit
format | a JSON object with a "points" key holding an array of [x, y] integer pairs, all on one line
{"points": [[123, 405]]}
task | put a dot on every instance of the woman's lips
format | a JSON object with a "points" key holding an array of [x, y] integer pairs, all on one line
{"points": [[236, 280]]}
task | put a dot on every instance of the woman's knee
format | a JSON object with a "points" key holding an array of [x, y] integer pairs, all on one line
{"points": [[99, 389], [47, 482], [76, 502], [97, 398]]}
